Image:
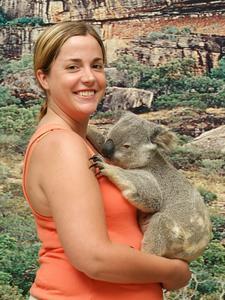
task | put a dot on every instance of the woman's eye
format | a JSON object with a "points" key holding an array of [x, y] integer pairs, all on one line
{"points": [[73, 67], [98, 66]]}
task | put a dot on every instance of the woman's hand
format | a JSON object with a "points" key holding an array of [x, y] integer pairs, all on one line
{"points": [[180, 276]]}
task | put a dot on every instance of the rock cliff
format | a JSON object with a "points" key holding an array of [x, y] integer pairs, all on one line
{"points": [[103, 10], [124, 24]]}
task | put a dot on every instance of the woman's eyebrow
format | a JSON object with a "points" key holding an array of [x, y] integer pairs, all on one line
{"points": [[78, 60]]}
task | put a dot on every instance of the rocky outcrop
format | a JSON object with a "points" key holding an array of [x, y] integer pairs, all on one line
{"points": [[154, 51], [24, 87], [17, 41], [132, 99], [213, 140], [101, 10], [124, 23], [205, 50]]}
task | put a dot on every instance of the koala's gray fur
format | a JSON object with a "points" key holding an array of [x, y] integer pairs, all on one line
{"points": [[179, 224]]}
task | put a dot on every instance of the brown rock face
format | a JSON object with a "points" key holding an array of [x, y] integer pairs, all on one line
{"points": [[204, 50], [117, 98], [124, 23], [102, 10]]}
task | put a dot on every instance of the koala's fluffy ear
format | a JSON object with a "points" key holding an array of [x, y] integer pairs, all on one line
{"points": [[163, 138]]}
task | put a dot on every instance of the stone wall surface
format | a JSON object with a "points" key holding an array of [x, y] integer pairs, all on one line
{"points": [[57, 10], [205, 50], [124, 24]]}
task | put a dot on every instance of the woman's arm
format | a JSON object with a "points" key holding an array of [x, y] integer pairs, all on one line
{"points": [[72, 192]]}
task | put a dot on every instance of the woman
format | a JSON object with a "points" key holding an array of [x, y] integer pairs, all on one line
{"points": [[89, 233]]}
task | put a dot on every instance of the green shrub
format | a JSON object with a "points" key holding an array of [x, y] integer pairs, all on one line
{"points": [[14, 120], [4, 18], [20, 225], [19, 261], [208, 277], [8, 292], [207, 195], [154, 36], [212, 165], [218, 225], [15, 65], [26, 21], [218, 72], [6, 98], [130, 68], [186, 158], [173, 84], [209, 269]]}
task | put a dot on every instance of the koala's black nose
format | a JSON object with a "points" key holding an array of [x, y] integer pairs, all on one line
{"points": [[108, 148]]}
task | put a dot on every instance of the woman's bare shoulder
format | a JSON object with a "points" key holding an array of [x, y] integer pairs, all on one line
{"points": [[61, 142]]}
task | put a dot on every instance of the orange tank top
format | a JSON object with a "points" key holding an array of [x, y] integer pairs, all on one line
{"points": [[56, 278]]}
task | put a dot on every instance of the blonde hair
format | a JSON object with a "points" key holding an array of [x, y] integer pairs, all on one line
{"points": [[49, 43]]}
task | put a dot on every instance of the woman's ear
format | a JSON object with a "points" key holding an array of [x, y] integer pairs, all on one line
{"points": [[42, 79]]}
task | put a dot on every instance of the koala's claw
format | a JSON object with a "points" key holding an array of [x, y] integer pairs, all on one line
{"points": [[97, 164], [96, 158]]}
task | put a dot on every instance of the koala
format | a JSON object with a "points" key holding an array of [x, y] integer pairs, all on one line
{"points": [[178, 221]]}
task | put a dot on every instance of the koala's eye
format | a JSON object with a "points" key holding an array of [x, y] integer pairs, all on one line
{"points": [[126, 146]]}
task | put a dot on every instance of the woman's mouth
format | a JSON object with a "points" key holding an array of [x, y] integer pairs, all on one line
{"points": [[86, 93]]}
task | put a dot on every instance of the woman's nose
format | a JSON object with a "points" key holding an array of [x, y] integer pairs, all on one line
{"points": [[88, 76]]}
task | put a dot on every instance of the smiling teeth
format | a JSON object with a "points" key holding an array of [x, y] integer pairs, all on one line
{"points": [[86, 93]]}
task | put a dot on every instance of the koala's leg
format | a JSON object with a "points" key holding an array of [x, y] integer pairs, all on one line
{"points": [[163, 237], [138, 186]]}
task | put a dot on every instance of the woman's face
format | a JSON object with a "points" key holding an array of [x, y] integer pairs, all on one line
{"points": [[76, 81]]}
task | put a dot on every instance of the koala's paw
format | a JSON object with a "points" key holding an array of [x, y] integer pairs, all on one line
{"points": [[100, 166], [95, 159]]}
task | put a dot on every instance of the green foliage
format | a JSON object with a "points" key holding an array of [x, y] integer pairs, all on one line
{"points": [[209, 269], [214, 258], [208, 196], [26, 21], [16, 66], [212, 165], [168, 33], [3, 17], [175, 84], [154, 36], [219, 72], [218, 225], [8, 292], [186, 158], [178, 100], [130, 68], [202, 84], [18, 262], [176, 30], [16, 127], [6, 98], [187, 90], [5, 20], [190, 157], [14, 120]]}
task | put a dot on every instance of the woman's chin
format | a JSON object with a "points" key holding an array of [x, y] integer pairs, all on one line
{"points": [[87, 110]]}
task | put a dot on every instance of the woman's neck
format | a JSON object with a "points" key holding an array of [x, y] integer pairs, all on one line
{"points": [[80, 127]]}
